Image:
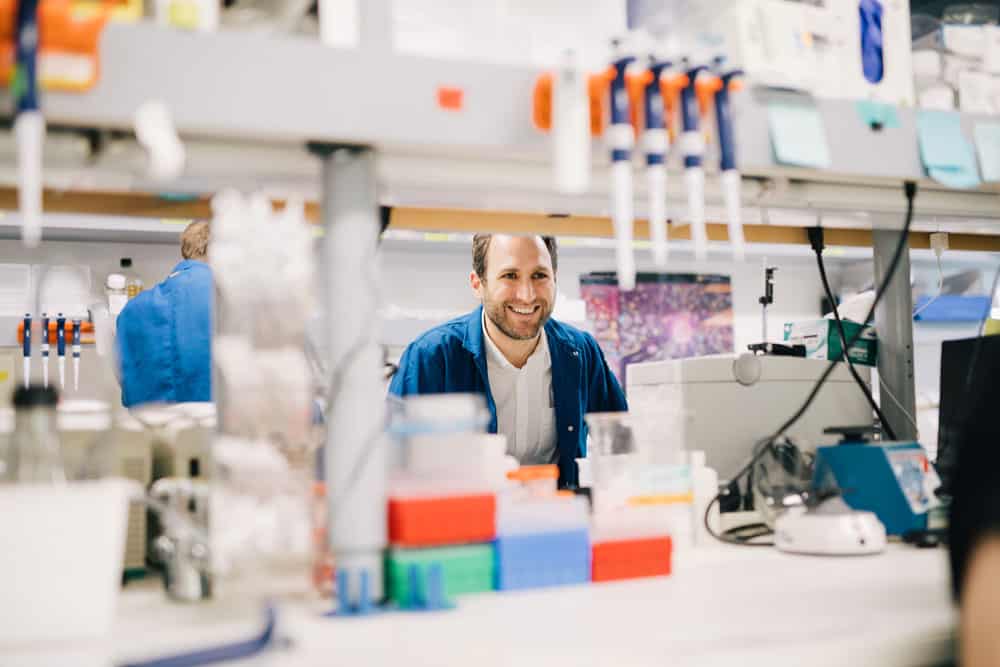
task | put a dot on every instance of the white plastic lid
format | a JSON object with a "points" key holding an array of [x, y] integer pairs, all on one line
{"points": [[116, 281]]}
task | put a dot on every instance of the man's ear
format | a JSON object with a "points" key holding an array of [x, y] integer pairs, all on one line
{"points": [[477, 285]]}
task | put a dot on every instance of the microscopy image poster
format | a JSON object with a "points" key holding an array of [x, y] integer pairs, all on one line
{"points": [[667, 316]]}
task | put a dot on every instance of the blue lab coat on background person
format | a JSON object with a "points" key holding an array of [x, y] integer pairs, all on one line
{"points": [[452, 358], [164, 339]]}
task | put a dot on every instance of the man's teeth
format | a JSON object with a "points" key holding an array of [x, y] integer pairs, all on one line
{"points": [[523, 311]]}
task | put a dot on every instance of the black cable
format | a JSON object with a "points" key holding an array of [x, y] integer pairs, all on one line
{"points": [[910, 190], [765, 445], [816, 238]]}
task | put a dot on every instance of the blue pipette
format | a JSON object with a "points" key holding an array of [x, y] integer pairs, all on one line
{"points": [[26, 344]]}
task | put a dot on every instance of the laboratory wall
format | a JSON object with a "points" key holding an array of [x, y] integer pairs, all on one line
{"points": [[426, 282]]}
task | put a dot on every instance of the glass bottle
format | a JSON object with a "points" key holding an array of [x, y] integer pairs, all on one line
{"points": [[34, 453], [133, 284]]}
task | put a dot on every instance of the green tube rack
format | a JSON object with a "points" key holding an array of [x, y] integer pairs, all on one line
{"points": [[467, 569]]}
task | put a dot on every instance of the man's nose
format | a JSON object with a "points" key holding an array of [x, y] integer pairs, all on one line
{"points": [[525, 291]]}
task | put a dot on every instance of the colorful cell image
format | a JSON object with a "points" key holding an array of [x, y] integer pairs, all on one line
{"points": [[667, 316]]}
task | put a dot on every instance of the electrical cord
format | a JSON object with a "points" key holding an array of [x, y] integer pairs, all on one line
{"points": [[940, 287], [884, 387], [732, 535], [816, 239], [765, 445]]}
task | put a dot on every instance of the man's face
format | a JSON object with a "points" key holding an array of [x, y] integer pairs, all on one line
{"points": [[518, 290]]}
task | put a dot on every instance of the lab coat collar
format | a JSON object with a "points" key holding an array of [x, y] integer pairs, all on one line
{"points": [[187, 264]]}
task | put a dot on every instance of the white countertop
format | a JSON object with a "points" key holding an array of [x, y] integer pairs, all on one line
{"points": [[721, 606]]}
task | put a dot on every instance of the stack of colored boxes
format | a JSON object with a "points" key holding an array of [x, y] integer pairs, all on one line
{"points": [[447, 537], [542, 539]]}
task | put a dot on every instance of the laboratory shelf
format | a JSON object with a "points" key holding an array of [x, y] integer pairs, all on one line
{"points": [[247, 103]]}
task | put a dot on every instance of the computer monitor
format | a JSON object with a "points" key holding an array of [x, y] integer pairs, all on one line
{"points": [[969, 445], [968, 367]]}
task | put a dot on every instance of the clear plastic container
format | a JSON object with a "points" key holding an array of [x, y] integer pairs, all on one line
{"points": [[116, 291], [34, 454]]}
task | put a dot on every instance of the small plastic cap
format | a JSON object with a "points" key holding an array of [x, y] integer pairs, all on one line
{"points": [[116, 281], [35, 396], [126, 262]]}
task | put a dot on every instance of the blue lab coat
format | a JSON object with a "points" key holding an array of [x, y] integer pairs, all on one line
{"points": [[452, 358], [164, 339]]}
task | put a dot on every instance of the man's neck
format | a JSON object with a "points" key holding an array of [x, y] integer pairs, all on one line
{"points": [[515, 351]]}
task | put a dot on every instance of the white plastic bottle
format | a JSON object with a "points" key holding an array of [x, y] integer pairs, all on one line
{"points": [[705, 481]]}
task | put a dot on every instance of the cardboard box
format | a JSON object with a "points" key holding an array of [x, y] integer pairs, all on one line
{"points": [[822, 340]]}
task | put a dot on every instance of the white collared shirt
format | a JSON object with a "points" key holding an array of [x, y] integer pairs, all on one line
{"points": [[524, 401]]}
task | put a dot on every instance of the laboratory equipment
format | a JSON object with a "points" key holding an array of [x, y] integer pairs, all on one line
{"points": [[183, 551], [753, 394], [26, 347], [692, 144], [33, 453], [766, 299], [830, 528], [45, 350], [571, 127], [61, 583], [895, 480], [133, 284], [76, 354], [542, 542], [705, 487], [621, 139], [97, 443], [116, 291], [61, 348], [729, 174], [29, 124], [631, 558], [441, 519], [465, 569], [656, 143]]}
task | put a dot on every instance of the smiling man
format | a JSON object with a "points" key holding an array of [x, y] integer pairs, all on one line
{"points": [[539, 376]]}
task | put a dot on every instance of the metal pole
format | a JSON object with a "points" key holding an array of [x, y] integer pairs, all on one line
{"points": [[355, 460], [894, 324]]}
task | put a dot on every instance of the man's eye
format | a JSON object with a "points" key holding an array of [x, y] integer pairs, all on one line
{"points": [[541, 276], [509, 275]]}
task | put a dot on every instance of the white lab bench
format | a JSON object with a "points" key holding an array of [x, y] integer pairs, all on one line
{"points": [[723, 605]]}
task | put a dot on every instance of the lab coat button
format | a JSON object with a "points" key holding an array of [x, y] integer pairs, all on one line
{"points": [[570, 428]]}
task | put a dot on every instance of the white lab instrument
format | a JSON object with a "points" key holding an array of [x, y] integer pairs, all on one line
{"points": [[571, 127], [621, 139], [29, 132], [829, 529], [755, 393], [46, 599]]}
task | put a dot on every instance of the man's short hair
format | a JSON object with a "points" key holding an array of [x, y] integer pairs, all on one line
{"points": [[481, 246], [194, 240]]}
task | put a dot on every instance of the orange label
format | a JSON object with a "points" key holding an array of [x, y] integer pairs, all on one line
{"points": [[450, 98]]}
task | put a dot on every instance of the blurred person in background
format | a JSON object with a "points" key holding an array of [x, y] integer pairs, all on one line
{"points": [[164, 336]]}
